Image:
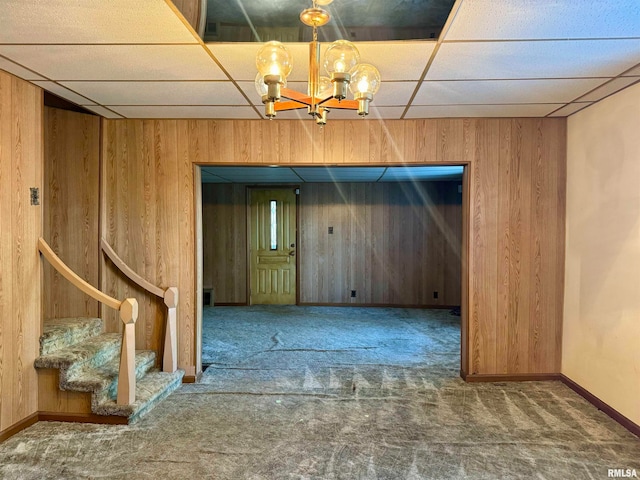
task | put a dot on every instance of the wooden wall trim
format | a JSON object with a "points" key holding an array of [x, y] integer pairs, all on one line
{"points": [[82, 418], [377, 305], [600, 405], [523, 377], [18, 427]]}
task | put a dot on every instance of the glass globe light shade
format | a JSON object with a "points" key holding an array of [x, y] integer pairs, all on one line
{"points": [[261, 87], [324, 87], [365, 79], [274, 59], [324, 2], [340, 57]]}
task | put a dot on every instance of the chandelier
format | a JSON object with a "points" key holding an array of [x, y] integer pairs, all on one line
{"points": [[341, 62]]}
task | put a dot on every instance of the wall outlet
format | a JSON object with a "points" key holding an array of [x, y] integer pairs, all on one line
{"points": [[34, 195], [330, 230], [435, 294], [353, 294]]}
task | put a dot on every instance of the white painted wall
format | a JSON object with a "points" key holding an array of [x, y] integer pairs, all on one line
{"points": [[601, 337]]}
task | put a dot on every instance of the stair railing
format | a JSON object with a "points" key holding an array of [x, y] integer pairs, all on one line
{"points": [[128, 309], [170, 297]]}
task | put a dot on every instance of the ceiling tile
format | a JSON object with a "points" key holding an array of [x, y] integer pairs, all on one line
{"points": [[544, 19], [488, 111], [397, 61], [608, 88], [340, 114], [17, 70], [239, 60], [569, 109], [213, 179], [503, 91], [389, 113], [105, 112], [250, 91], [185, 112], [116, 62], [65, 93], [422, 174], [91, 21], [254, 174], [394, 93], [634, 72], [160, 93], [339, 174], [546, 59]]}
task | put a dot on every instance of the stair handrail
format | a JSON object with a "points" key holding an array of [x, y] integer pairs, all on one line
{"points": [[128, 309], [170, 297]]}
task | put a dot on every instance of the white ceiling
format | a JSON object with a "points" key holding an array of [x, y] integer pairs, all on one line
{"points": [[495, 58], [329, 174]]}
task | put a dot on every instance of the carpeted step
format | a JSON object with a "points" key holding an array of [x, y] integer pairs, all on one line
{"points": [[58, 333], [103, 379], [93, 352], [150, 390]]}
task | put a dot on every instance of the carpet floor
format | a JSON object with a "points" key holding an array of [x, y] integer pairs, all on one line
{"points": [[315, 393]]}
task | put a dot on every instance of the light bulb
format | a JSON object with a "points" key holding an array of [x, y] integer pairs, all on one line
{"points": [[341, 56], [274, 59], [274, 65], [365, 82], [365, 79]]}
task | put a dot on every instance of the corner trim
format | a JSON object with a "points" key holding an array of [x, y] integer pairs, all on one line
{"points": [[192, 378], [521, 377], [600, 405], [82, 418], [18, 427]]}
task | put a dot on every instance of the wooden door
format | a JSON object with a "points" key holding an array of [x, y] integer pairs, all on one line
{"points": [[272, 233]]}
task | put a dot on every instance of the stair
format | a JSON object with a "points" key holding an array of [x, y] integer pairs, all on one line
{"points": [[88, 361]]}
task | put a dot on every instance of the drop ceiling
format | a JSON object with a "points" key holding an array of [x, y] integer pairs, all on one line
{"points": [[281, 175], [493, 58]]}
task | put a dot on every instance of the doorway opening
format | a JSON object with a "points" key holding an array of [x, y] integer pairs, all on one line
{"points": [[372, 237]]}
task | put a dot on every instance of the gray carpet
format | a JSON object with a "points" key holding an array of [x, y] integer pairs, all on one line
{"points": [[336, 393]]}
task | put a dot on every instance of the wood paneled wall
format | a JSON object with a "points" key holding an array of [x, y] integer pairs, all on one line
{"points": [[224, 235], [148, 218], [518, 197], [380, 230], [71, 205], [21, 154], [394, 243], [515, 222]]}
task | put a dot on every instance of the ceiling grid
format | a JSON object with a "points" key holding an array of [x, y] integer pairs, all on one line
{"points": [[494, 58]]}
